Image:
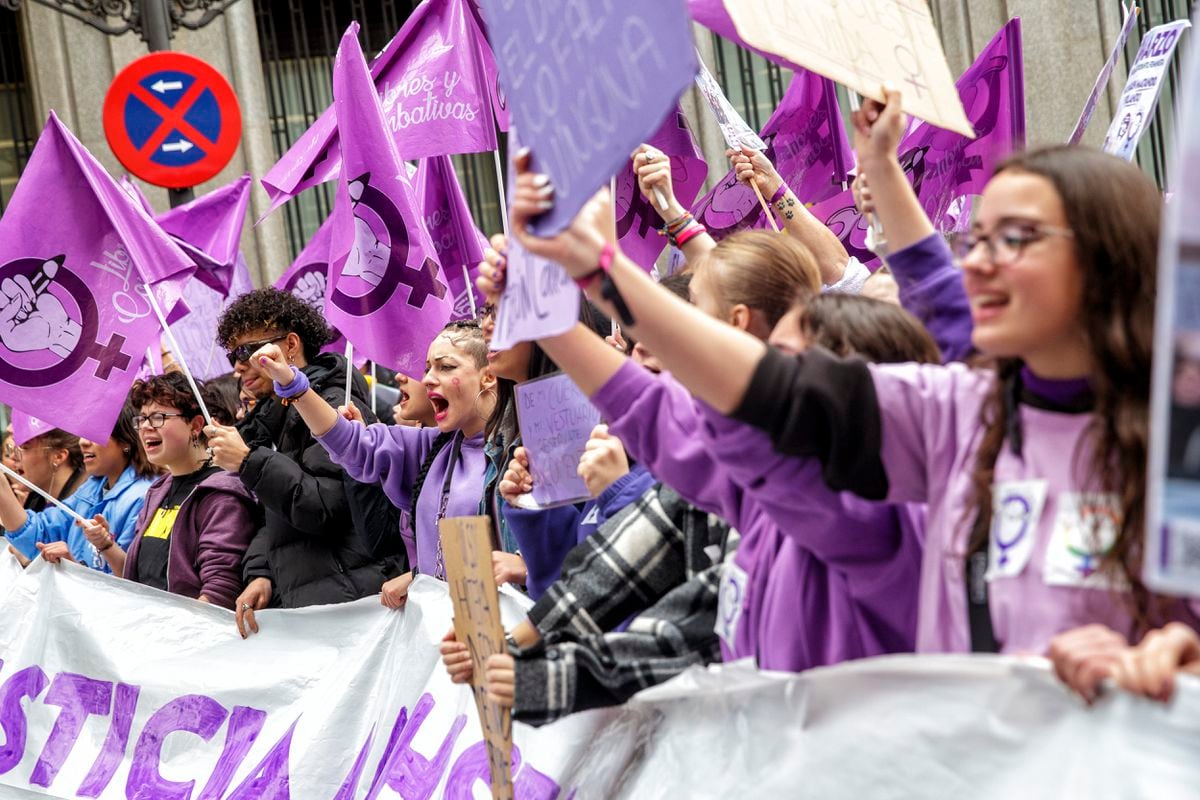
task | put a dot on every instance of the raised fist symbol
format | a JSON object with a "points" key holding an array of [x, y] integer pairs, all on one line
{"points": [[310, 288], [369, 258], [32, 319]]}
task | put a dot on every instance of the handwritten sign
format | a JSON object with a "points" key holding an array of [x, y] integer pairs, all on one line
{"points": [[587, 83], [736, 131], [556, 420], [1140, 95], [539, 300], [862, 46], [467, 546], [1089, 108]]}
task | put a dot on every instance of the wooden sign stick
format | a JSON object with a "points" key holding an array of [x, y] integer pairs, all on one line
{"points": [[766, 209], [467, 550]]}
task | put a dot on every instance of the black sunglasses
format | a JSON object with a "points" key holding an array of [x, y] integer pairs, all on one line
{"points": [[243, 351]]}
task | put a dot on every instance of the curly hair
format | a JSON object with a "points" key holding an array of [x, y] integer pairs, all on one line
{"points": [[170, 390], [272, 309]]}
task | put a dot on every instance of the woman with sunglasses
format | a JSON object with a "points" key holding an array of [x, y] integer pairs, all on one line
{"points": [[1033, 468], [327, 539], [119, 476], [197, 520]]}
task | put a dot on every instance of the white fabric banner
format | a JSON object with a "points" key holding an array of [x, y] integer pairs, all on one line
{"points": [[113, 690]]}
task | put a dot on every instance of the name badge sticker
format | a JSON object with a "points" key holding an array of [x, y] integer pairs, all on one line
{"points": [[1016, 509]]}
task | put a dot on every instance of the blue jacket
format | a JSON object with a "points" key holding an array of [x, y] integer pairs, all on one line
{"points": [[546, 536], [120, 505]]}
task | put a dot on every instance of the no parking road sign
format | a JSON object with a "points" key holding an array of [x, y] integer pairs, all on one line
{"points": [[172, 120]]}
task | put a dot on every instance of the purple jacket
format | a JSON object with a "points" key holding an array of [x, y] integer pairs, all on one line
{"points": [[393, 455], [211, 533], [546, 536], [931, 290], [835, 581]]}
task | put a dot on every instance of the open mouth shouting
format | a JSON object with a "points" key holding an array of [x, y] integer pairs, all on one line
{"points": [[441, 406], [151, 443]]}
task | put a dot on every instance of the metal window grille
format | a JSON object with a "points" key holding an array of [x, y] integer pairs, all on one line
{"points": [[299, 39], [17, 125]]}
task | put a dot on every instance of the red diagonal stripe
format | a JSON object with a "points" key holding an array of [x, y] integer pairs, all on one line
{"points": [[172, 118]]}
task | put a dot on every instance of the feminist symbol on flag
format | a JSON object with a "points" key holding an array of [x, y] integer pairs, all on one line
{"points": [[48, 325], [380, 255]]}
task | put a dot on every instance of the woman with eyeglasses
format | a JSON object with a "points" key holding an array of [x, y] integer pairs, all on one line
{"points": [[113, 493], [197, 520], [1033, 467]]}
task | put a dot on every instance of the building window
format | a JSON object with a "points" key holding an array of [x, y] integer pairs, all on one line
{"points": [[17, 126]]}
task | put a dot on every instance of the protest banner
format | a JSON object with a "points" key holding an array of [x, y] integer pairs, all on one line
{"points": [[736, 132], [75, 312], [209, 229], [467, 547], [1173, 477], [587, 84], [1135, 110], [539, 299], [638, 219], [861, 46], [436, 80], [1089, 108], [111, 688], [805, 139], [459, 243], [556, 420], [385, 292]]}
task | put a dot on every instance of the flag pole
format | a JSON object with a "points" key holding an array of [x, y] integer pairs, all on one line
{"points": [[175, 349], [766, 209], [349, 369], [500, 191], [373, 380], [49, 497]]}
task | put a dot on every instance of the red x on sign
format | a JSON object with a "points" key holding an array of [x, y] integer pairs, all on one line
{"points": [[172, 120]]}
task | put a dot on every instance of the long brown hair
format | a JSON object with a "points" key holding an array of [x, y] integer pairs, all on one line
{"points": [[878, 331], [1114, 211]]}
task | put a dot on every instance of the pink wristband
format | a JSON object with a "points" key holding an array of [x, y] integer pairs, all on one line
{"points": [[691, 232], [604, 264]]}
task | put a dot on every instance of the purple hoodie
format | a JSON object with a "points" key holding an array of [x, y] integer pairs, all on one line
{"points": [[836, 581], [212, 530], [393, 454], [931, 289]]}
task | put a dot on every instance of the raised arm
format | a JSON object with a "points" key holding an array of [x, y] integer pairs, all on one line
{"points": [[653, 170]]}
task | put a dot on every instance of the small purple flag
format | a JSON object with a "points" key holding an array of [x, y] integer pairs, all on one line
{"points": [[385, 290], [586, 88], [638, 218], [437, 81], [26, 427], [196, 333], [806, 141], [209, 229], [75, 319], [459, 243]]}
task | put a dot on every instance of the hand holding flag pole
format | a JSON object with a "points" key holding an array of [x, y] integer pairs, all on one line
{"points": [[178, 352], [49, 497]]}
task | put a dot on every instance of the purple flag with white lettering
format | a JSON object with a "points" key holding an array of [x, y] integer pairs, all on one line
{"points": [[209, 229], [942, 165], [459, 243], [806, 141], [385, 291], [437, 81], [75, 320], [639, 218], [588, 83], [307, 275]]}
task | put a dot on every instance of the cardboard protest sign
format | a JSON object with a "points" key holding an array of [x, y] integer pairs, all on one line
{"points": [[1173, 498], [467, 546], [1135, 111], [587, 83], [556, 420], [1089, 108], [862, 46]]}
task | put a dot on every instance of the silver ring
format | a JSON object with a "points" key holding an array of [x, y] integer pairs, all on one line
{"points": [[246, 607], [650, 158]]}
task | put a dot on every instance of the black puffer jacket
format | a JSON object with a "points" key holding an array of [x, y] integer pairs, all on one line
{"points": [[310, 547]]}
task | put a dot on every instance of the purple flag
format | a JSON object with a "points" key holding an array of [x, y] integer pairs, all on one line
{"points": [[209, 229], [25, 427], [806, 141], [942, 165], [307, 275], [75, 320], [638, 218], [712, 15], [437, 81], [585, 89], [196, 333], [135, 191], [459, 243], [385, 290]]}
